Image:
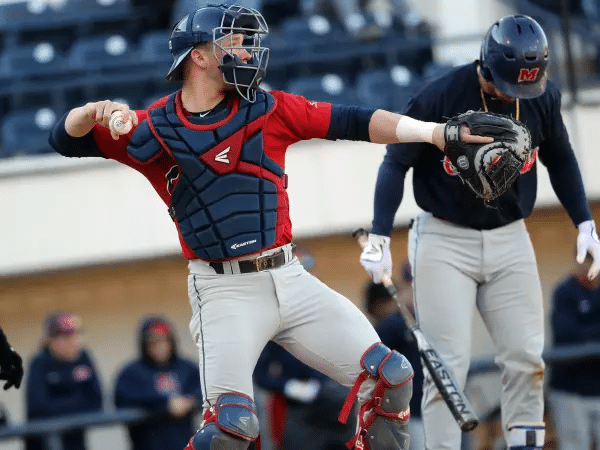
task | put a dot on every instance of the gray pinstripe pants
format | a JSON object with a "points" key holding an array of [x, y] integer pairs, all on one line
{"points": [[233, 317], [456, 271]]}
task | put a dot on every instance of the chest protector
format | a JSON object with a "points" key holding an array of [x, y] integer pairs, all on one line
{"points": [[225, 199]]}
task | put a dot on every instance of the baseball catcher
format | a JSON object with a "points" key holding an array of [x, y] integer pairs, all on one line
{"points": [[488, 169]]}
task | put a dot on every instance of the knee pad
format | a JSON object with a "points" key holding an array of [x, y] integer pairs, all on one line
{"points": [[231, 424], [383, 419], [526, 436]]}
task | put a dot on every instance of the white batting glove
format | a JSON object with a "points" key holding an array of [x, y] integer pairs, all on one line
{"points": [[587, 242], [304, 391], [376, 257]]}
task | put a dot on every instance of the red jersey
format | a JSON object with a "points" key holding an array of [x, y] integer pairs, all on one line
{"points": [[293, 119]]}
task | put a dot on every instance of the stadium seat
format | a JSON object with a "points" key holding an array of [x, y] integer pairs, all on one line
{"points": [[28, 22], [154, 51], [386, 88], [91, 7], [33, 60], [18, 14], [315, 30], [327, 88], [313, 46], [106, 52], [181, 7], [26, 131]]}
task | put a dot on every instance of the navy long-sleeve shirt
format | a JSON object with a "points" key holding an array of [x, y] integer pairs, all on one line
{"points": [[275, 367], [141, 384], [576, 320], [57, 388], [441, 192]]}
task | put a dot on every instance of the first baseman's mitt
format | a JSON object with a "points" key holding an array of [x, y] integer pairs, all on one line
{"points": [[488, 169]]}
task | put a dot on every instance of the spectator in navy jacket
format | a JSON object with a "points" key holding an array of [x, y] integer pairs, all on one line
{"points": [[62, 379], [304, 404], [164, 383], [575, 386]]}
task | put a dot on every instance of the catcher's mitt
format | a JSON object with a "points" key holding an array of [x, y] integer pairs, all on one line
{"points": [[488, 169]]}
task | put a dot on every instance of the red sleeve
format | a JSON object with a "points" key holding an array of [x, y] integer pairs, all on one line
{"points": [[112, 149], [296, 118]]}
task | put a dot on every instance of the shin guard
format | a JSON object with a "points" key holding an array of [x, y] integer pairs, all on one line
{"points": [[383, 419]]}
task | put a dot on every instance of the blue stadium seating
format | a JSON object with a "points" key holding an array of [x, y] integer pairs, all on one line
{"points": [[89, 8], [97, 17], [29, 22], [26, 131], [315, 31], [33, 60], [61, 22], [312, 46], [154, 51], [19, 14], [105, 52], [388, 88], [326, 88]]}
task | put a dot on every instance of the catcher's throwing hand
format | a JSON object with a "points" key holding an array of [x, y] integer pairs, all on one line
{"points": [[101, 111], [489, 169], [11, 364]]}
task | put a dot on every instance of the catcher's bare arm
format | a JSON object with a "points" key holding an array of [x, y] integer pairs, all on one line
{"points": [[389, 128]]}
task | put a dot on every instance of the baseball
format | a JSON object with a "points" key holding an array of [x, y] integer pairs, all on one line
{"points": [[117, 125]]}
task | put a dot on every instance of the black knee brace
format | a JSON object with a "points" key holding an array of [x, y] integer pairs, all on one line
{"points": [[231, 424], [383, 419]]}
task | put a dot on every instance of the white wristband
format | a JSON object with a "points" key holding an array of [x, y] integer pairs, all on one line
{"points": [[411, 130]]}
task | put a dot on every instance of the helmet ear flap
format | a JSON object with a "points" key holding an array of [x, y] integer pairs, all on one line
{"points": [[485, 71]]}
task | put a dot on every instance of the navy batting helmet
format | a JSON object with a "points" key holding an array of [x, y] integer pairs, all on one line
{"points": [[514, 56], [213, 23]]}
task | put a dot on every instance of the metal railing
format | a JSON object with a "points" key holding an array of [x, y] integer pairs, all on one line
{"points": [[51, 429]]}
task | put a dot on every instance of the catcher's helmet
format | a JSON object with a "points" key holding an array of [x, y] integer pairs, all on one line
{"points": [[514, 56], [213, 23]]}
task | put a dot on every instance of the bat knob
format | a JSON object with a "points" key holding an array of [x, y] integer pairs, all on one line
{"points": [[359, 232], [469, 425]]}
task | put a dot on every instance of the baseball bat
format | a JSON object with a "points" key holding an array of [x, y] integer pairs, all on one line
{"points": [[441, 375]]}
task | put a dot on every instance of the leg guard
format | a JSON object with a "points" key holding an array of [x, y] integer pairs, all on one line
{"points": [[231, 424], [383, 420], [526, 436]]}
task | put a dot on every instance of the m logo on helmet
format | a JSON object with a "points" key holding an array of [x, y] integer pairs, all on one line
{"points": [[528, 75]]}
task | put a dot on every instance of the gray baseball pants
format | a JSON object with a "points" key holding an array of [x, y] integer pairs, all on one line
{"points": [[233, 317], [459, 270]]}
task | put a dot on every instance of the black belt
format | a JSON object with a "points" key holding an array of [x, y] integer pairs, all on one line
{"points": [[264, 262]]}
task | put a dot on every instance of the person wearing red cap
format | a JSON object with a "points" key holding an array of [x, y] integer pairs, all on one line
{"points": [[62, 379], [162, 382]]}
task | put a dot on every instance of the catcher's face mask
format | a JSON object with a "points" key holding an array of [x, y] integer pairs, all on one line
{"points": [[237, 47]]}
